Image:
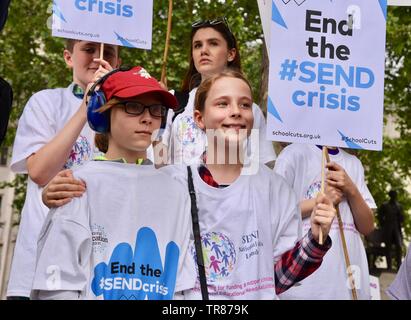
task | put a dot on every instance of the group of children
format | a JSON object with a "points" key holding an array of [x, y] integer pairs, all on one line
{"points": [[121, 228]]}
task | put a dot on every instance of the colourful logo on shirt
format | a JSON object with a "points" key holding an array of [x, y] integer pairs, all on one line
{"points": [[219, 255], [99, 238], [188, 131], [313, 190], [138, 275], [80, 153]]}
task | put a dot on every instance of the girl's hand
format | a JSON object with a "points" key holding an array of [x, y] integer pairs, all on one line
{"points": [[322, 216], [338, 178], [61, 189]]}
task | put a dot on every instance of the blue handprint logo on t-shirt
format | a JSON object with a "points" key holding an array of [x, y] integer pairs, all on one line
{"points": [[139, 275]]}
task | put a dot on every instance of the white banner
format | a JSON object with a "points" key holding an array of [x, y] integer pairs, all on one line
{"points": [[399, 2], [265, 8], [121, 22], [326, 82]]}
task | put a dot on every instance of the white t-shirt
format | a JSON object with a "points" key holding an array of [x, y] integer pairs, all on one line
{"points": [[300, 164], [244, 228], [400, 288], [127, 237], [186, 142], [45, 114]]}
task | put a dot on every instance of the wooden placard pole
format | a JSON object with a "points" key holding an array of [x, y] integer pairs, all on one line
{"points": [[169, 23], [325, 151], [101, 51], [344, 243]]}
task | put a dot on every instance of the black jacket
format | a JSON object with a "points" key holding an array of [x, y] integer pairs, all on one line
{"points": [[6, 94], [4, 6], [6, 99]]}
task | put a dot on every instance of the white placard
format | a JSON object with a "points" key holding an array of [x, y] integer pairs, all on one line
{"points": [[264, 6], [121, 22], [399, 2], [326, 82]]}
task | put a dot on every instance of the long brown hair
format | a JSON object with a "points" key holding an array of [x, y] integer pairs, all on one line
{"points": [[192, 78]]}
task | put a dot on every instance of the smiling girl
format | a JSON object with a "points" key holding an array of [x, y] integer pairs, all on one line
{"points": [[250, 222]]}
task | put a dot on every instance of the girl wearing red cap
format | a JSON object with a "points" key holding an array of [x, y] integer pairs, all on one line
{"points": [[127, 236]]}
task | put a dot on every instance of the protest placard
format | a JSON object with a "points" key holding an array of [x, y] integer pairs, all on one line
{"points": [[265, 9], [122, 22], [399, 2], [264, 6], [326, 82]]}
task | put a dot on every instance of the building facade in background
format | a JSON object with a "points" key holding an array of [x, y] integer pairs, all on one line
{"points": [[8, 222]]}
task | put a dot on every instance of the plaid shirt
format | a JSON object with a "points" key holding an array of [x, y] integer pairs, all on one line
{"points": [[295, 264]]}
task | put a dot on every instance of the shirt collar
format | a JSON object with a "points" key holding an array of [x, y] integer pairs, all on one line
{"points": [[207, 177], [331, 151], [122, 160]]}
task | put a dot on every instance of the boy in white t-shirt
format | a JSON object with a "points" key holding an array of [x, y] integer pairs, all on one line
{"points": [[128, 236], [300, 165], [52, 135]]}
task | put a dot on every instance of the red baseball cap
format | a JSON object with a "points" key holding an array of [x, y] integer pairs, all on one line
{"points": [[135, 82]]}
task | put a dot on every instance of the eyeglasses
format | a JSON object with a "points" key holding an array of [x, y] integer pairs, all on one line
{"points": [[136, 108], [202, 23], [220, 20]]}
